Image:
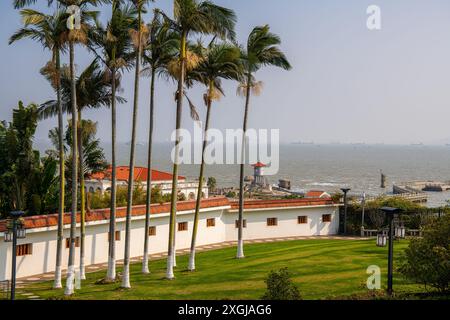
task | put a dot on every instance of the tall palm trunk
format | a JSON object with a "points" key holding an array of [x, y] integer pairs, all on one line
{"points": [[82, 197], [149, 174], [173, 203], [191, 266], [126, 262], [240, 248], [111, 274], [73, 223], [60, 233]]}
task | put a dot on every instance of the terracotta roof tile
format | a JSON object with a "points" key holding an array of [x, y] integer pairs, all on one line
{"points": [[315, 194], [264, 204], [140, 174], [103, 214]]}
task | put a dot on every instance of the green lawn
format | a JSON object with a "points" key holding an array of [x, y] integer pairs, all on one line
{"points": [[321, 269]]}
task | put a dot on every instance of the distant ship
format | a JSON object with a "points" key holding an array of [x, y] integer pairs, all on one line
{"points": [[139, 144], [303, 143]]}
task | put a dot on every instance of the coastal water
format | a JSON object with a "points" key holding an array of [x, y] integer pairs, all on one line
{"points": [[329, 167], [326, 167]]}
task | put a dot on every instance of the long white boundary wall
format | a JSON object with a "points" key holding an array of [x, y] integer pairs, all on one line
{"points": [[43, 240]]}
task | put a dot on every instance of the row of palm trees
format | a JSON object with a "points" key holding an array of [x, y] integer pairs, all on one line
{"points": [[162, 48]]}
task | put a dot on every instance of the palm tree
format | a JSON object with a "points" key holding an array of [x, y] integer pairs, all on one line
{"points": [[93, 156], [161, 49], [19, 4], [92, 91], [262, 50], [115, 44], [76, 35], [49, 30], [138, 37], [191, 16], [220, 61]]}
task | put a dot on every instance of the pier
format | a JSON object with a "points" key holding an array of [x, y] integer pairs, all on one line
{"points": [[421, 186]]}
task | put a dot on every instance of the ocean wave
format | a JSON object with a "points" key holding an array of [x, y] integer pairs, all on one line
{"points": [[323, 184]]}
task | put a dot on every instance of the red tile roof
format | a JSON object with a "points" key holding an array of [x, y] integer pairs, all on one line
{"points": [[264, 204], [44, 221], [103, 214], [315, 194], [140, 174]]}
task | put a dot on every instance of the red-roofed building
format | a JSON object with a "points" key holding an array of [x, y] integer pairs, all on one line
{"points": [[101, 182], [317, 194]]}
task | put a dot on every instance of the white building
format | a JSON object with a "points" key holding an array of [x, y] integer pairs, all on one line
{"points": [[218, 223], [101, 182]]}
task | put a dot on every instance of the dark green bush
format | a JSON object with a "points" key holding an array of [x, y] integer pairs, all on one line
{"points": [[280, 286], [427, 259]]}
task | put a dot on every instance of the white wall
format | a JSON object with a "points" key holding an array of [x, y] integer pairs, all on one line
{"points": [[96, 250], [43, 258], [287, 222]]}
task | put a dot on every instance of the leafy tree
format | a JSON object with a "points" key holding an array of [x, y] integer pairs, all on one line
{"points": [[27, 182], [212, 184], [18, 158], [94, 160], [427, 259], [280, 286]]}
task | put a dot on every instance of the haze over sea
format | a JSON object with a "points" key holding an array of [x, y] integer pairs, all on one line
{"points": [[325, 167]]}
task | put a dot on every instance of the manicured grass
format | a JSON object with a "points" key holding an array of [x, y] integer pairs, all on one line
{"points": [[320, 268]]}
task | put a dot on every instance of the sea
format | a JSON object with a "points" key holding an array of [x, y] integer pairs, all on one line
{"points": [[325, 167]]}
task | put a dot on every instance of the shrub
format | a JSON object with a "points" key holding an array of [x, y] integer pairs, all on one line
{"points": [[280, 286], [427, 259]]}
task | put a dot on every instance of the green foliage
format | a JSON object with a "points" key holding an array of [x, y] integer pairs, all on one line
{"points": [[280, 286], [98, 200], [293, 196], [395, 202], [231, 194], [427, 259], [27, 182], [212, 183], [94, 160]]}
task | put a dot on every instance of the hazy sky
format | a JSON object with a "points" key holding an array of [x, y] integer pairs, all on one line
{"points": [[348, 84]]}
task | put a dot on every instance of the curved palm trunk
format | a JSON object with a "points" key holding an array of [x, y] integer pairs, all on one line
{"points": [[149, 175], [191, 266], [173, 203], [73, 223], [82, 197], [60, 233], [240, 247], [126, 260], [111, 274]]}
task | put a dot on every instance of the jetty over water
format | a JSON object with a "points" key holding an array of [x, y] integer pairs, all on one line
{"points": [[420, 197], [421, 186]]}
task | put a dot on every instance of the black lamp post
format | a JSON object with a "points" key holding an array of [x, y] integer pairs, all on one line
{"points": [[390, 213], [345, 191], [14, 232]]}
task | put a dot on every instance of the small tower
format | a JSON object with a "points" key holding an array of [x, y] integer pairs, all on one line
{"points": [[383, 180], [258, 174]]}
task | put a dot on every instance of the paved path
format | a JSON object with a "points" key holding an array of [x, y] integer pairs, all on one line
{"points": [[22, 283]]}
